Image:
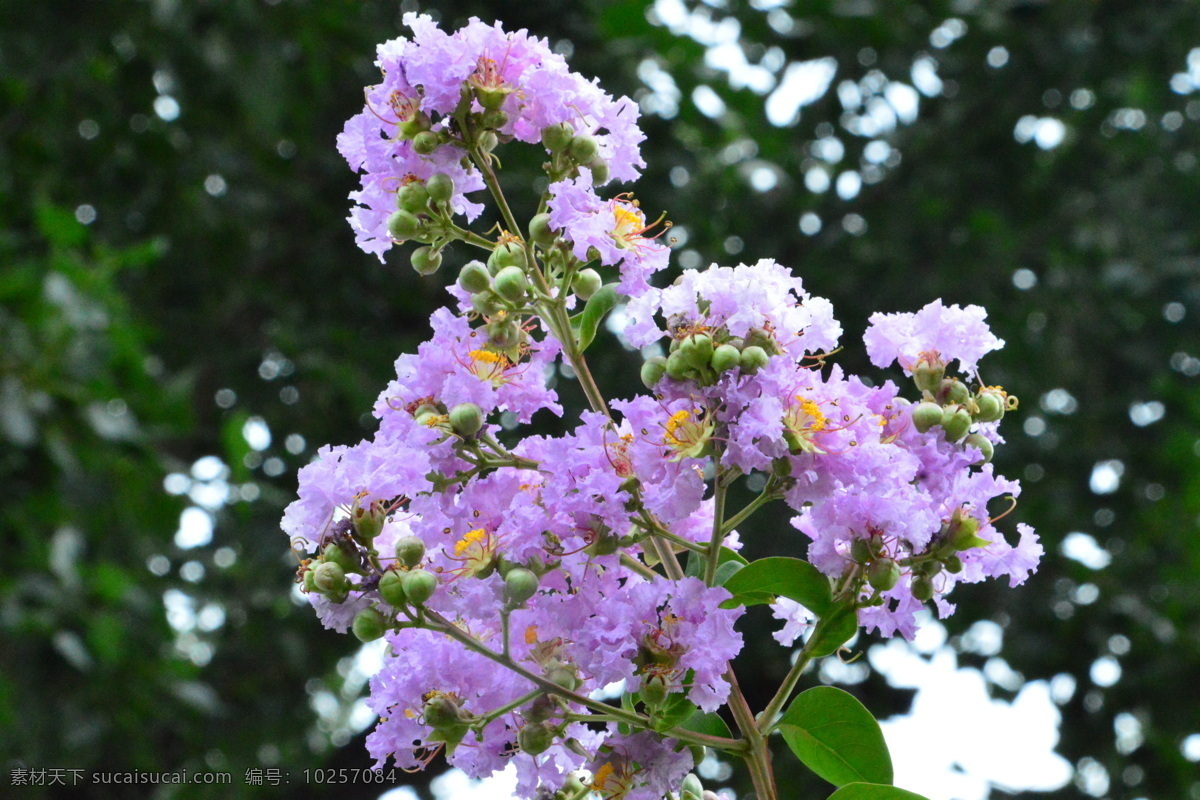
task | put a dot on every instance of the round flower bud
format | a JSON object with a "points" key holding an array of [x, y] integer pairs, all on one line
{"points": [[691, 788], [725, 358], [419, 585], [403, 225], [491, 97], [600, 171], [953, 564], [426, 142], [328, 577], [426, 260], [956, 422], [697, 350], [511, 284], [541, 232], [369, 625], [990, 406], [926, 415], [440, 187], [883, 574], [494, 119], [474, 277], [413, 197], [410, 550], [953, 391], [504, 333], [336, 554], [488, 141], [519, 585], [759, 337], [557, 138], [653, 370], [391, 588], [540, 709], [561, 676], [985, 448], [583, 148], [922, 588], [466, 419], [927, 374], [587, 282], [752, 359], [654, 690], [535, 739], [441, 712], [677, 366], [506, 254], [860, 551]]}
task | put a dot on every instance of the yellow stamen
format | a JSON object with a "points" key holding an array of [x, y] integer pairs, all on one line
{"points": [[475, 537]]}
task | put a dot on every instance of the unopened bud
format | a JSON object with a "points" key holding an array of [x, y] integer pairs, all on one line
{"points": [[410, 550], [419, 586], [725, 358], [953, 564], [556, 138], [563, 677], [956, 422], [403, 225], [953, 391], [927, 373], [369, 625], [922, 588], [511, 284], [426, 142], [519, 585], [753, 359], [466, 419], [759, 337], [474, 277], [926, 415], [677, 366], [983, 445], [488, 141], [391, 588], [535, 739], [600, 171], [541, 709], [440, 187], [587, 282], [328, 577], [541, 232], [506, 254], [860, 551], [334, 553], [654, 690], [494, 119], [504, 333], [990, 405], [883, 574], [653, 370], [485, 302], [413, 197], [583, 148], [441, 711], [697, 350], [426, 260]]}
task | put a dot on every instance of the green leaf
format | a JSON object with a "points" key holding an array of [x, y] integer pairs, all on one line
{"points": [[836, 737], [764, 580], [707, 723], [728, 570], [587, 321], [838, 624], [873, 791], [695, 562], [674, 711]]}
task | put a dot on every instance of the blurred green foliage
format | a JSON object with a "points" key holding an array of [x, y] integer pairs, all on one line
{"points": [[176, 278]]}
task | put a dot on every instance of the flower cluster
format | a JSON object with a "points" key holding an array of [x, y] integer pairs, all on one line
{"points": [[518, 578]]}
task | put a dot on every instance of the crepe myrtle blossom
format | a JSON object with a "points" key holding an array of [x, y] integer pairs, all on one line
{"points": [[936, 333]]}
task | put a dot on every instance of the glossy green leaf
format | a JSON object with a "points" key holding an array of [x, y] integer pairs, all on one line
{"points": [[835, 736], [836, 627], [674, 711], [764, 580], [586, 322], [695, 562], [707, 723], [873, 791]]}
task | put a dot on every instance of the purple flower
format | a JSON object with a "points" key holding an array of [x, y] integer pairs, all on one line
{"points": [[940, 332]]}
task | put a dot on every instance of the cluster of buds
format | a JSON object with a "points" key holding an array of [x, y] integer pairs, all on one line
{"points": [[949, 403], [423, 214], [703, 355]]}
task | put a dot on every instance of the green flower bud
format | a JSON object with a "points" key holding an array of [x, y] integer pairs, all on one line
{"points": [[419, 122], [485, 302], [953, 564], [927, 375], [736, 342], [985, 448], [600, 171], [781, 467], [557, 138], [410, 550], [419, 585], [506, 254], [587, 282], [488, 141], [541, 232], [583, 148], [329, 577], [953, 391], [335, 554], [561, 676], [540, 709], [752, 359], [426, 260], [883, 574], [860, 551], [922, 588], [926, 415], [426, 142], [519, 585], [760, 337], [990, 405], [440, 187], [697, 350], [725, 358], [369, 625], [691, 788], [511, 284], [535, 739], [413, 197], [956, 422], [466, 419], [403, 225], [391, 588], [653, 370], [474, 277], [441, 711], [309, 584], [654, 690], [494, 119], [677, 366], [491, 97], [504, 333]]}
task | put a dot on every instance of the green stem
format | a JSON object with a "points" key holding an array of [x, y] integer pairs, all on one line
{"points": [[629, 562], [507, 707], [718, 530], [764, 497], [758, 754], [769, 718]]}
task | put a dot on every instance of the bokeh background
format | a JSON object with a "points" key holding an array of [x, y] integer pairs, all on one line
{"points": [[184, 319]]}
